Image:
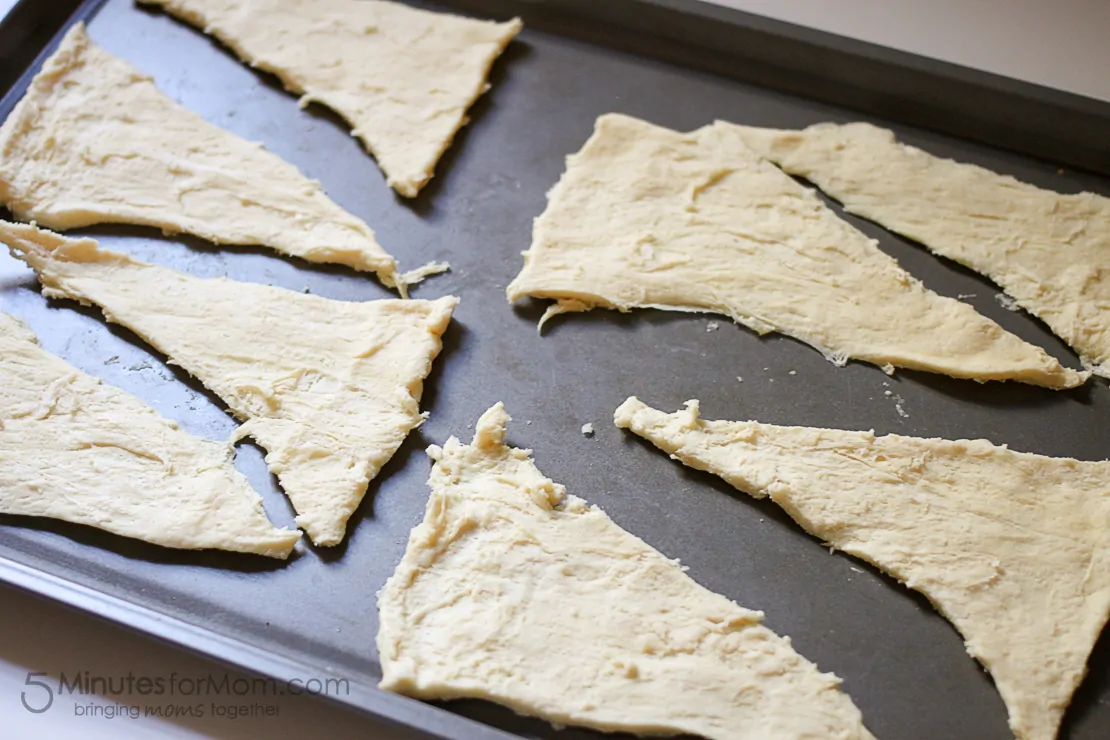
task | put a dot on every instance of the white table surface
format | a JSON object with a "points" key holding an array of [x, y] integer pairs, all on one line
{"points": [[1060, 44]]}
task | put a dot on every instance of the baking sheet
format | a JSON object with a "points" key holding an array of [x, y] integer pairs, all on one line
{"points": [[902, 664]]}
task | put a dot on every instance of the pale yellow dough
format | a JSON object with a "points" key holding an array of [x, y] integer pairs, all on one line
{"points": [[75, 449], [1051, 252], [403, 78], [1013, 548], [646, 217], [95, 141], [513, 591], [329, 388]]}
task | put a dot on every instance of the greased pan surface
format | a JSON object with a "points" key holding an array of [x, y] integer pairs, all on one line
{"points": [[903, 665]]}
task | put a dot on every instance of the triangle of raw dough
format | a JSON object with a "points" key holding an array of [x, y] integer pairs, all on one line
{"points": [[646, 217], [95, 141], [403, 78], [329, 388], [1048, 250], [1013, 548], [515, 592], [76, 449]]}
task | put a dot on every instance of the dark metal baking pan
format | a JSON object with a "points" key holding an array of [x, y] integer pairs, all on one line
{"points": [[902, 663]]}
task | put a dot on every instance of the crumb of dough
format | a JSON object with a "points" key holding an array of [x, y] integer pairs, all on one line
{"points": [[588, 430], [1007, 302], [712, 326]]}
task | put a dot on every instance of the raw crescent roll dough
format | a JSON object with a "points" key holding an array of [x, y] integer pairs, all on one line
{"points": [[1051, 252], [329, 388], [1013, 548], [403, 78], [75, 449], [649, 217], [95, 141], [515, 592]]}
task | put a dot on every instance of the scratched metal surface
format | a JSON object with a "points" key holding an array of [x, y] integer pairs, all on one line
{"points": [[902, 664]]}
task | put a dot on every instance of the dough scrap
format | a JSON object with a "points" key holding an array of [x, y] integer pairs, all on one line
{"points": [[329, 388], [513, 591], [1013, 548], [646, 217], [76, 449], [403, 78], [1051, 252], [94, 141]]}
